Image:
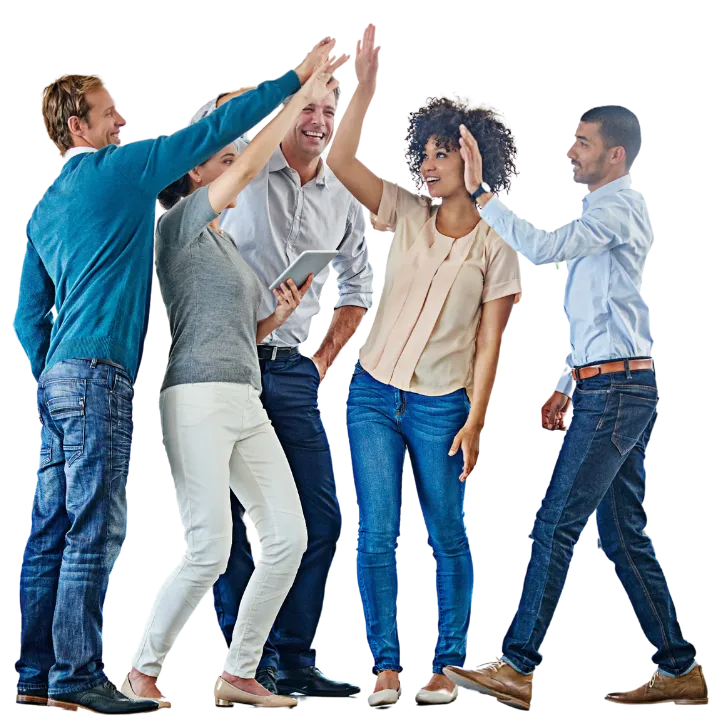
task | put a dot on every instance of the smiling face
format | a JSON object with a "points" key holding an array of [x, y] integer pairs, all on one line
{"points": [[591, 160], [103, 123], [442, 169], [313, 128]]}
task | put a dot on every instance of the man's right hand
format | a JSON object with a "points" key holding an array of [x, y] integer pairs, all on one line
{"points": [[553, 411], [314, 59]]}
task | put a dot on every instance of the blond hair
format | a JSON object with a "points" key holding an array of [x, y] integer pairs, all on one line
{"points": [[63, 99]]}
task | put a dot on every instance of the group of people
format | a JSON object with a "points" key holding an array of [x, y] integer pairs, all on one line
{"points": [[238, 404]]}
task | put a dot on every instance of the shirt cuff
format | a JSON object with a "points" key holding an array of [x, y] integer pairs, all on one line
{"points": [[290, 83], [565, 384], [500, 290], [363, 300], [491, 212]]}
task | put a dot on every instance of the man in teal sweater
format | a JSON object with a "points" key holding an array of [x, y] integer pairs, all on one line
{"points": [[89, 255]]}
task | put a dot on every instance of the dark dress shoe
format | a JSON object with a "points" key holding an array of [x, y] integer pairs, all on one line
{"points": [[310, 681], [103, 698], [267, 677], [32, 697]]}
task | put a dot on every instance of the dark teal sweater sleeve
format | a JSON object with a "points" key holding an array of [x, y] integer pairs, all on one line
{"points": [[33, 319], [153, 164]]}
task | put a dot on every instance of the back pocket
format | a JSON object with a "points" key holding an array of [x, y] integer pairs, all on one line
{"points": [[66, 404]]}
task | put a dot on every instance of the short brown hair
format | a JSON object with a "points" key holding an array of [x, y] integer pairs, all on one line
{"points": [[64, 99]]}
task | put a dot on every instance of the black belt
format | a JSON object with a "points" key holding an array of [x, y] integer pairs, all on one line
{"points": [[273, 352]]}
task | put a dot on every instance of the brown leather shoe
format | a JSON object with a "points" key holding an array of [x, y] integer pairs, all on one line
{"points": [[497, 679], [688, 689]]}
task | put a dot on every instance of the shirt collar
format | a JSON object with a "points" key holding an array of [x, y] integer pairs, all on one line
{"points": [[622, 183], [73, 151], [278, 162]]}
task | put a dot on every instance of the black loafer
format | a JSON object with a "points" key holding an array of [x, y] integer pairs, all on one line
{"points": [[310, 681], [267, 677], [103, 698]]}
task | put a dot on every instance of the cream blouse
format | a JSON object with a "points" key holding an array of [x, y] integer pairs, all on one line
{"points": [[423, 337]]}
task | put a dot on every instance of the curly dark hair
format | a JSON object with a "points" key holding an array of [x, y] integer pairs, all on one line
{"points": [[442, 117]]}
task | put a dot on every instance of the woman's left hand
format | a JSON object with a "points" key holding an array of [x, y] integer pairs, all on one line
{"points": [[288, 298], [469, 440], [470, 153]]}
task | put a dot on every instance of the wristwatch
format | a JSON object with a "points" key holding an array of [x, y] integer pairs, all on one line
{"points": [[482, 188]]}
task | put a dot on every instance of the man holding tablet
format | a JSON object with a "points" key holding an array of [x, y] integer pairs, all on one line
{"points": [[296, 204]]}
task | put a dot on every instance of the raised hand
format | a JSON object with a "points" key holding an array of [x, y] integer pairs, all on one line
{"points": [[470, 153], [366, 60], [320, 83], [317, 57]]}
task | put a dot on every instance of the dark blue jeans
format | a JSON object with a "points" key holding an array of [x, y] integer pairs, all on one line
{"points": [[78, 524], [289, 395], [600, 467], [383, 422]]}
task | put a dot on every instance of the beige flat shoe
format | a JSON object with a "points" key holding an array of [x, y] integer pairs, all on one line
{"points": [[226, 695], [436, 697], [381, 698], [128, 692]]}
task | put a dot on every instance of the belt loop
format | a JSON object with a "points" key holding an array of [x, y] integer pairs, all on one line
{"points": [[274, 352], [112, 374], [628, 375], [93, 363]]}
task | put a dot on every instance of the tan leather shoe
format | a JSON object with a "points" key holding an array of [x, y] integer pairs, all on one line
{"points": [[128, 692], [226, 695], [497, 679], [688, 689]]}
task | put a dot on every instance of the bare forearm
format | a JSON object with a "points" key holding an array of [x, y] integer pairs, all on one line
{"points": [[266, 326], [347, 137], [344, 323], [258, 152], [484, 371]]}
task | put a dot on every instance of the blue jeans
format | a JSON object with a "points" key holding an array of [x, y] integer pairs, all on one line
{"points": [[78, 524], [600, 467], [290, 397], [382, 423]]}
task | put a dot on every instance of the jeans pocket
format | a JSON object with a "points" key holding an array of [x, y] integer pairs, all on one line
{"points": [[44, 457], [358, 370], [634, 415], [66, 405], [313, 368]]}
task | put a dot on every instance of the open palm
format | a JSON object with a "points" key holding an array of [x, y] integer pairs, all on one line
{"points": [[366, 61]]}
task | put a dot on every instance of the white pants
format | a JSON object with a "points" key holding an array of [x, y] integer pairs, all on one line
{"points": [[218, 438]]}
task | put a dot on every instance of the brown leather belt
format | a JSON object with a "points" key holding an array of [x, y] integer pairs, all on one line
{"points": [[589, 371]]}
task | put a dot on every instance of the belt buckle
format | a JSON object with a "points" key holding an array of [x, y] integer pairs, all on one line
{"points": [[274, 352]]}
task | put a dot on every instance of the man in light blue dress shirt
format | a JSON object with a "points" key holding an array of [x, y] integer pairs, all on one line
{"points": [[295, 204], [600, 467]]}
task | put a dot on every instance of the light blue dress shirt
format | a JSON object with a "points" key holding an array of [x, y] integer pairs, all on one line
{"points": [[605, 251], [277, 218]]}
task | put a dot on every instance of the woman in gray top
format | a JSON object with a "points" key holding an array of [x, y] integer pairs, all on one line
{"points": [[215, 429]]}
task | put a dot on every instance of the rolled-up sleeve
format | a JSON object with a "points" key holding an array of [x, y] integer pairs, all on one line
{"points": [[352, 263]]}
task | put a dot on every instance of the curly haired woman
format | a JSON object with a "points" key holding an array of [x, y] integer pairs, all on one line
{"points": [[425, 374]]}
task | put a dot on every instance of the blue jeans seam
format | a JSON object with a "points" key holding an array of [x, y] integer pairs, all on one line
{"points": [[639, 577], [552, 546]]}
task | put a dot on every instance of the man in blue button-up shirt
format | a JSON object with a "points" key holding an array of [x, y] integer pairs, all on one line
{"points": [[601, 463]]}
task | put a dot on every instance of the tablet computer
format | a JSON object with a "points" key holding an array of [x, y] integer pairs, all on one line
{"points": [[310, 261]]}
